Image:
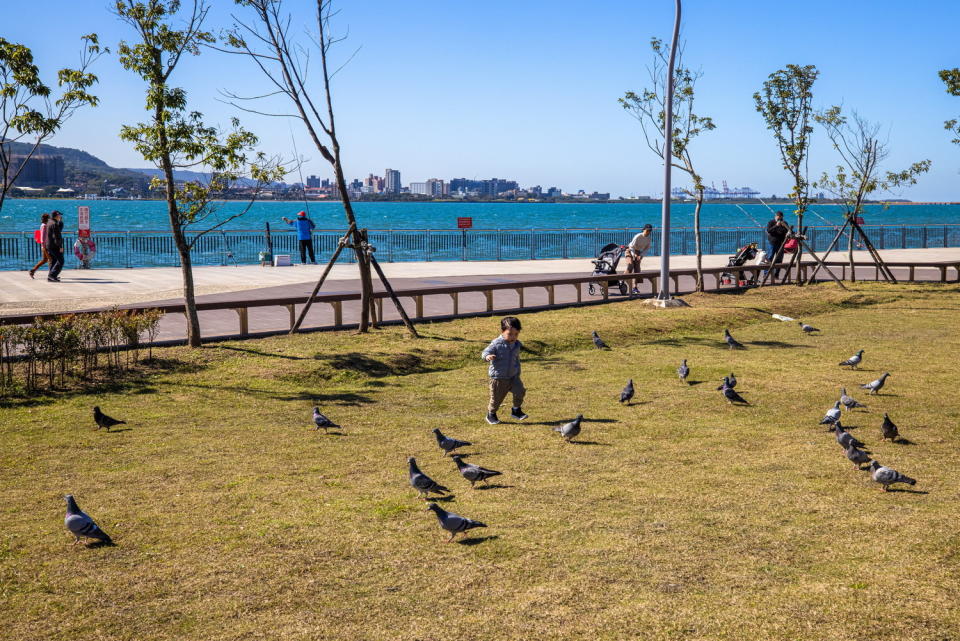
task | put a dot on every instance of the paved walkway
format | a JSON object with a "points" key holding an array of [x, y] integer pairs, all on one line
{"points": [[81, 289]]}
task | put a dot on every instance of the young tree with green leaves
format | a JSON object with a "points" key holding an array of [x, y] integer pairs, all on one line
{"points": [[859, 174], [174, 138], [951, 78], [648, 107], [785, 104], [28, 111]]}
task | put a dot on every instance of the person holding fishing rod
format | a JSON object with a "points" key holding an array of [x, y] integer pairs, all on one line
{"points": [[305, 228]]}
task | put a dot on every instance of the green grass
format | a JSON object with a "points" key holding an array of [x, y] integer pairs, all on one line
{"points": [[681, 517]]}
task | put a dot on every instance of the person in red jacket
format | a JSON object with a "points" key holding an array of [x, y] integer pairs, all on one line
{"points": [[42, 239]]}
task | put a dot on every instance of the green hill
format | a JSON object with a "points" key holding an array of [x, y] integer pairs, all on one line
{"points": [[88, 174]]}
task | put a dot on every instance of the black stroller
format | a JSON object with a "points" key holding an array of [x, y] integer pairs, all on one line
{"points": [[605, 264], [747, 252]]}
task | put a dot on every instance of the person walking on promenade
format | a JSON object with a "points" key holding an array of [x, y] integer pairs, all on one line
{"points": [[636, 250], [777, 230], [304, 228], [41, 235], [55, 245], [503, 354]]}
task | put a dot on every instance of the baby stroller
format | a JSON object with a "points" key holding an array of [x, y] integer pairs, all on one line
{"points": [[747, 252], [606, 263]]}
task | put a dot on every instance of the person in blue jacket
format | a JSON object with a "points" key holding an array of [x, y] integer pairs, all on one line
{"points": [[304, 227]]}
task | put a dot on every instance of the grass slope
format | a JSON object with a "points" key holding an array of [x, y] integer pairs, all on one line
{"points": [[679, 517]]}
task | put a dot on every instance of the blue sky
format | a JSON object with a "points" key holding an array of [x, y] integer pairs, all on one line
{"points": [[528, 90]]}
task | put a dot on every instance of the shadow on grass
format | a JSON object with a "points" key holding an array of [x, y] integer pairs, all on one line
{"points": [[256, 352], [477, 540], [122, 429], [906, 491], [904, 441], [589, 443], [493, 486], [339, 398], [778, 345], [686, 341]]}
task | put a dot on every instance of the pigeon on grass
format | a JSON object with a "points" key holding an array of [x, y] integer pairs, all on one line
{"points": [[854, 361], [105, 421], [473, 473], [627, 393], [571, 429], [889, 429], [731, 394], [683, 371], [321, 421], [807, 329], [731, 341], [848, 401], [845, 438], [423, 483], [877, 385], [832, 415], [453, 523], [857, 456], [598, 342], [448, 444], [887, 476], [81, 525]]}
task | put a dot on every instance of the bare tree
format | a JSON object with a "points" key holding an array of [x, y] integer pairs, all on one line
{"points": [[267, 41], [649, 110]]}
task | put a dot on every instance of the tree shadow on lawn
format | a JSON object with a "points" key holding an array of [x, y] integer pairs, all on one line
{"points": [[256, 352], [339, 398], [778, 345]]}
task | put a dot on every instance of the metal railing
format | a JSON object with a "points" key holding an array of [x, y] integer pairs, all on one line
{"points": [[19, 251]]}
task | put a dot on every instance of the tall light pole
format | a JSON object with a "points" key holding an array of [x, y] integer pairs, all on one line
{"points": [[664, 294]]}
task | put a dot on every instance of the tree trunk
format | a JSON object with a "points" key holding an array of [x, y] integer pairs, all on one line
{"points": [[853, 275], [799, 258], [189, 297], [366, 282], [696, 238]]}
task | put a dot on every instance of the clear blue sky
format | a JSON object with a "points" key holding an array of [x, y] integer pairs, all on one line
{"points": [[528, 90]]}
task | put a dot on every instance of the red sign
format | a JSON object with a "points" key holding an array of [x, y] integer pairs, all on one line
{"points": [[464, 223]]}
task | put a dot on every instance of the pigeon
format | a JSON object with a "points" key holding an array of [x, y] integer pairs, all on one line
{"points": [[423, 483], [848, 401], [856, 456], [889, 429], [807, 328], [473, 473], [453, 523], [105, 421], [571, 429], [724, 383], [832, 415], [845, 438], [599, 342], [448, 444], [731, 341], [731, 394], [627, 393], [877, 385], [683, 371], [854, 361], [887, 476], [322, 421], [732, 381], [81, 525]]}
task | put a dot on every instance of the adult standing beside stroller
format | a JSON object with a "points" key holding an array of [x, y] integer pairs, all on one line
{"points": [[55, 245], [304, 236], [42, 240], [636, 250], [777, 230]]}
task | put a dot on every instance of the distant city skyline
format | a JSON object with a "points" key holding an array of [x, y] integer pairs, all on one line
{"points": [[520, 90]]}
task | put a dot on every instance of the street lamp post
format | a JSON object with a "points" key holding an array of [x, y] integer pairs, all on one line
{"points": [[664, 294]]}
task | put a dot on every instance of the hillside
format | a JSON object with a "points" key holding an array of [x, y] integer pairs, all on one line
{"points": [[87, 173]]}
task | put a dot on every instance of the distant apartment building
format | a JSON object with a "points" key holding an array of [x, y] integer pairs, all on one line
{"points": [[483, 188], [313, 182], [554, 192], [372, 184], [391, 181], [39, 171], [437, 188], [419, 189]]}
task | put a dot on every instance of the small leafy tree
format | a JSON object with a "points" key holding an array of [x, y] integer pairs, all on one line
{"points": [[174, 138], [649, 110], [785, 104], [859, 173], [28, 112], [951, 78]]}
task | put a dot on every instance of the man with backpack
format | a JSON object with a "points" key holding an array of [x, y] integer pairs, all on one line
{"points": [[304, 236], [40, 235]]}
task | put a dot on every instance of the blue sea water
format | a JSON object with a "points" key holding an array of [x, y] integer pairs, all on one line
{"points": [[124, 215]]}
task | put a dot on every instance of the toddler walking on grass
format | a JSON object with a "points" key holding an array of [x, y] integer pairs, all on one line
{"points": [[503, 354]]}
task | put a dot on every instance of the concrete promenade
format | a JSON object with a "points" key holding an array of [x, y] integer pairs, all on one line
{"points": [[86, 289]]}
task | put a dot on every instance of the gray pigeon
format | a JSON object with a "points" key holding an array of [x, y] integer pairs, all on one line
{"points": [[848, 401], [877, 385], [627, 393], [683, 371], [845, 438], [832, 415], [322, 421], [448, 444], [453, 523], [473, 473], [423, 483], [598, 342], [889, 429], [731, 341], [857, 457], [571, 429], [887, 476], [105, 421], [807, 328], [732, 381], [731, 395], [81, 525], [854, 361]]}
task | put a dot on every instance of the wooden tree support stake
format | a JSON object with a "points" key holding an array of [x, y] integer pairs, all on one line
{"points": [[393, 297], [323, 277]]}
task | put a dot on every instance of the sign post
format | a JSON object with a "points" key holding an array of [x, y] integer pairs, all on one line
{"points": [[463, 224]]}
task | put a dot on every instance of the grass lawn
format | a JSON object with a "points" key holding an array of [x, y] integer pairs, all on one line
{"points": [[679, 517]]}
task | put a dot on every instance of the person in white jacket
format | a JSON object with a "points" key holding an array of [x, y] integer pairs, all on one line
{"points": [[637, 249]]}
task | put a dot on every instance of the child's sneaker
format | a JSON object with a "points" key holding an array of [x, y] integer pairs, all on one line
{"points": [[492, 418], [518, 414]]}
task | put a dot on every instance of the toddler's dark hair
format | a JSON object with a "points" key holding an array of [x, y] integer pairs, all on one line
{"points": [[510, 321]]}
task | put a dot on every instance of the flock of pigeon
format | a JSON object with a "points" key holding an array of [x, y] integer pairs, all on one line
{"points": [[82, 526]]}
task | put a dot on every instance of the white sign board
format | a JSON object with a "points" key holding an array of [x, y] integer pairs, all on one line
{"points": [[83, 217]]}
